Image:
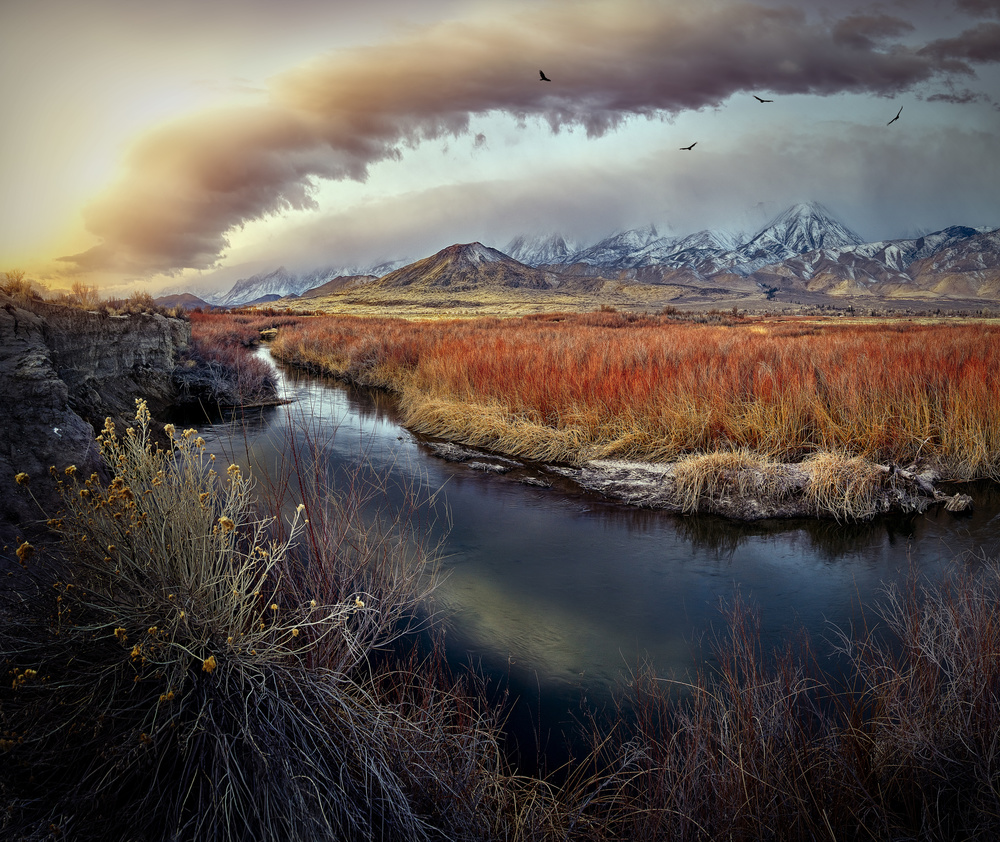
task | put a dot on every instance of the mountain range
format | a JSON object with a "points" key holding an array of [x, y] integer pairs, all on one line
{"points": [[805, 249]]}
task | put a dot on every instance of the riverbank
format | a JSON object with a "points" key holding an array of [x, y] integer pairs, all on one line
{"points": [[173, 645], [749, 418], [743, 486]]}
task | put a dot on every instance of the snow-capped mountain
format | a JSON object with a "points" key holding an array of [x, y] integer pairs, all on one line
{"points": [[621, 250], [802, 228], [804, 248], [281, 282], [541, 249], [464, 267]]}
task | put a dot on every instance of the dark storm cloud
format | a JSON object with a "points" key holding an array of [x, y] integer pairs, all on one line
{"points": [[980, 7], [185, 185], [864, 32], [981, 44]]}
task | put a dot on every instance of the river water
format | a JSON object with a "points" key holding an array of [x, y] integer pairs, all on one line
{"points": [[560, 595]]}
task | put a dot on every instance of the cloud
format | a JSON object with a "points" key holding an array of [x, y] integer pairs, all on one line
{"points": [[863, 32], [980, 7], [881, 189], [979, 44], [186, 184]]}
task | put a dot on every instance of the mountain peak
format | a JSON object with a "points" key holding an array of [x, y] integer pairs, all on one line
{"points": [[464, 267], [475, 253]]}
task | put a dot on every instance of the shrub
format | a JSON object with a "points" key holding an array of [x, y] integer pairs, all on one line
{"points": [[16, 285], [200, 673]]}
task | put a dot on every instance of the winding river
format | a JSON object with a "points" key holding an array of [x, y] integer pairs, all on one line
{"points": [[559, 594]]}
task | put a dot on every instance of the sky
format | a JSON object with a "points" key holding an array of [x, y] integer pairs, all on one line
{"points": [[184, 145]]}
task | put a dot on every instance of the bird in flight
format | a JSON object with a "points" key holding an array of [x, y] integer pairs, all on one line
{"points": [[689, 148], [894, 119], [762, 100], [543, 77]]}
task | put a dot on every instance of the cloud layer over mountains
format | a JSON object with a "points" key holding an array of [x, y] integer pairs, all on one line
{"points": [[185, 184]]}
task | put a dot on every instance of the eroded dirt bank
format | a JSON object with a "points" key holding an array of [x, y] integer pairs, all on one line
{"points": [[742, 486]]}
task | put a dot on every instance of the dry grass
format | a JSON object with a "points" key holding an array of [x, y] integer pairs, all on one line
{"points": [[611, 385], [186, 669], [739, 474], [847, 486]]}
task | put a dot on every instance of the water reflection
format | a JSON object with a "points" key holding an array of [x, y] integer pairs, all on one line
{"points": [[560, 592]]}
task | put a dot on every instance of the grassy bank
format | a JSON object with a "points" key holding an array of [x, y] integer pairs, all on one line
{"points": [[608, 385]]}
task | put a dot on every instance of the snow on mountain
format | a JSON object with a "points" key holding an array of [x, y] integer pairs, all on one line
{"points": [[619, 251], [281, 282], [541, 249], [973, 255], [805, 227], [883, 261]]}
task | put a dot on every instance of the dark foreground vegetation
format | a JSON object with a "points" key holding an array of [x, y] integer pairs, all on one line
{"points": [[182, 664]]}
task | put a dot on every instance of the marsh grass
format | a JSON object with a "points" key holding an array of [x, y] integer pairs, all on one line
{"points": [[613, 385], [766, 747]]}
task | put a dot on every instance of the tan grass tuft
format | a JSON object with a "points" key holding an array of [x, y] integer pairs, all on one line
{"points": [[712, 476], [848, 487]]}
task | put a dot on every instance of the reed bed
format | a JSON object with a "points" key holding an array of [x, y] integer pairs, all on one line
{"points": [[767, 748], [611, 385], [219, 367]]}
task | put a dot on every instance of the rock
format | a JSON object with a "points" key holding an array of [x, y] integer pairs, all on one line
{"points": [[62, 371]]}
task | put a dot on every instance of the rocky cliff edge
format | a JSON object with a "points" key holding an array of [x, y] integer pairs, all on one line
{"points": [[62, 372]]}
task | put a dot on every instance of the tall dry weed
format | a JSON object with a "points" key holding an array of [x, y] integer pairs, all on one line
{"points": [[190, 671]]}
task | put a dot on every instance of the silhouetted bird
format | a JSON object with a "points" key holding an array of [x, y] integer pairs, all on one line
{"points": [[894, 119], [762, 100], [543, 78], [689, 148]]}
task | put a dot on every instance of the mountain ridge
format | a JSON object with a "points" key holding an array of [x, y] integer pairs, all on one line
{"points": [[805, 247]]}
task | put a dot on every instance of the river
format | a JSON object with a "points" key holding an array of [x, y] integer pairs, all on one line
{"points": [[561, 595]]}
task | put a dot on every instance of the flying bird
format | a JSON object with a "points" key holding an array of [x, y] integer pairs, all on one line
{"points": [[894, 119], [762, 100], [543, 78], [689, 148]]}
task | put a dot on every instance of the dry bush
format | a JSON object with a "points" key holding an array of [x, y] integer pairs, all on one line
{"points": [[86, 296], [189, 673], [741, 755], [16, 285]]}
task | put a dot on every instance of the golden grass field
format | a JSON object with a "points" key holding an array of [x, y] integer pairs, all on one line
{"points": [[574, 387]]}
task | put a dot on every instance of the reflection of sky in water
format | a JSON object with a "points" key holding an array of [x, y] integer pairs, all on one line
{"points": [[556, 588]]}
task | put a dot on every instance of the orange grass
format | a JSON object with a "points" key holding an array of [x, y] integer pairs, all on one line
{"points": [[642, 387]]}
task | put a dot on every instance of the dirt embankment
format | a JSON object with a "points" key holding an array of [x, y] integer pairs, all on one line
{"points": [[62, 372], [737, 485]]}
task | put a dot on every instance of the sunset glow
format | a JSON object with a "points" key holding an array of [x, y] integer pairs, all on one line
{"points": [[183, 145]]}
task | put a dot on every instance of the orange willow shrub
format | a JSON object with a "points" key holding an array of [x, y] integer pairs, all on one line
{"points": [[222, 329], [611, 385]]}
